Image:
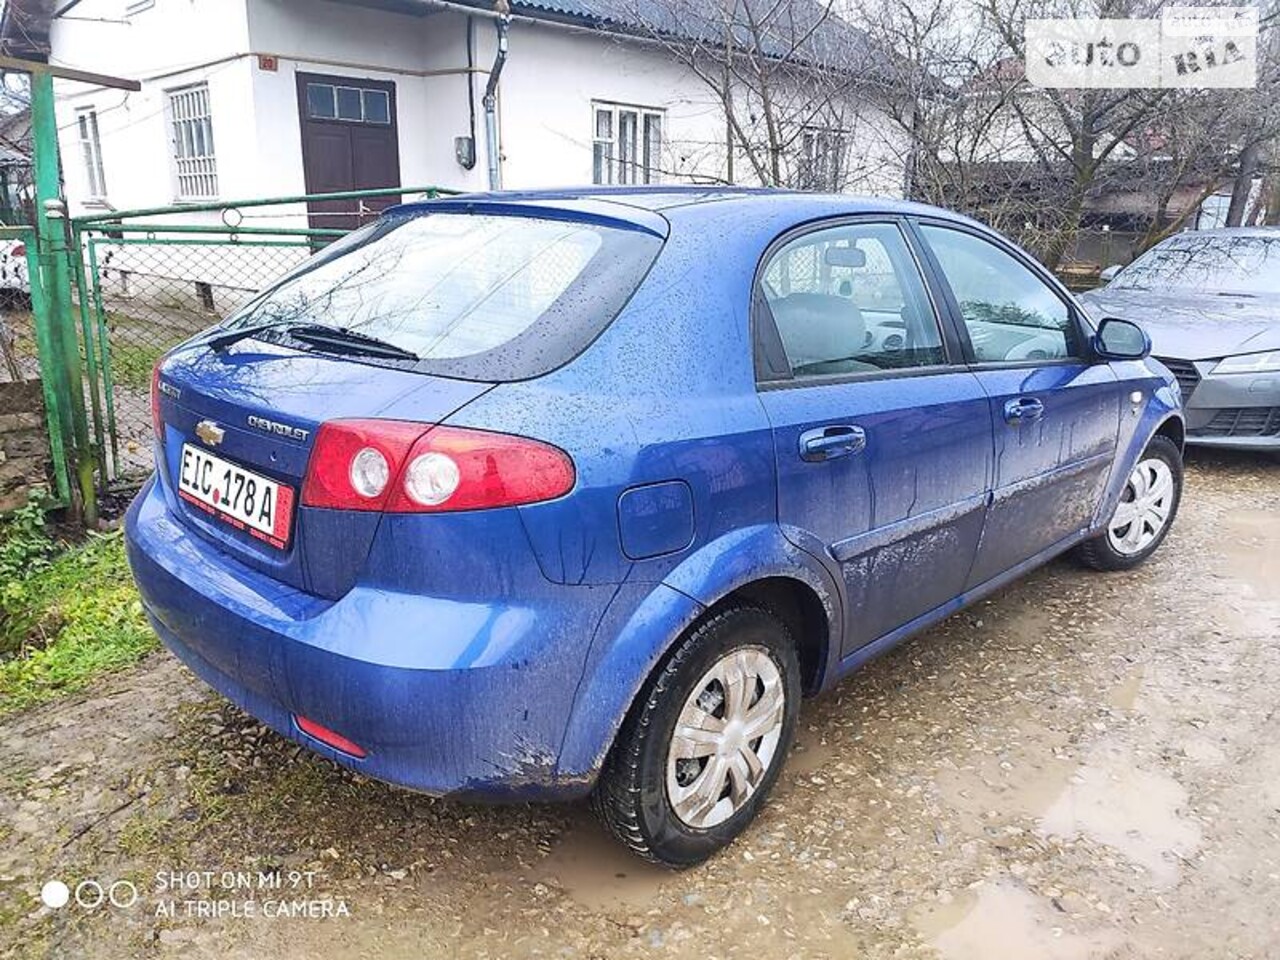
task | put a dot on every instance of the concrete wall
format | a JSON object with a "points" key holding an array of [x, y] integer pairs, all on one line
{"points": [[24, 444]]}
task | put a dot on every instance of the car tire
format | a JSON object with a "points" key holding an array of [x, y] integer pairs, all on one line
{"points": [[669, 809], [1121, 545]]}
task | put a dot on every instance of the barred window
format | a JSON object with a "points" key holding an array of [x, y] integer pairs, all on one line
{"points": [[195, 167]]}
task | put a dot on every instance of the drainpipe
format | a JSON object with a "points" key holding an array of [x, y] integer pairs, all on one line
{"points": [[491, 104]]}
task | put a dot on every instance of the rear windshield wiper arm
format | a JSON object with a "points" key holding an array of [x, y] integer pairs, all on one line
{"points": [[350, 341], [318, 333]]}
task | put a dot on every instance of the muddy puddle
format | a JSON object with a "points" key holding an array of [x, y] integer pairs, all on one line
{"points": [[598, 872], [1140, 813], [1005, 921]]}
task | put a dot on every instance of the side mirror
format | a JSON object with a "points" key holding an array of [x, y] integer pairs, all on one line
{"points": [[1121, 340], [1109, 274]]}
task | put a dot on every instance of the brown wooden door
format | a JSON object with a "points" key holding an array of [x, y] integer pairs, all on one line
{"points": [[349, 142]]}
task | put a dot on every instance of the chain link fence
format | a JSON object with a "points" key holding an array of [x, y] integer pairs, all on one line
{"points": [[148, 294], [149, 280]]}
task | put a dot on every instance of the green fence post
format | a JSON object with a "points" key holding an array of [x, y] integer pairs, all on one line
{"points": [[92, 354], [50, 375], [51, 226]]}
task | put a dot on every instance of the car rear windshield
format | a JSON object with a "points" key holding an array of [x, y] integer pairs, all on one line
{"points": [[1208, 264], [473, 296]]}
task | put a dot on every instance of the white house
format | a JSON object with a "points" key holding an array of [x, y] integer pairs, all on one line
{"points": [[258, 98]]}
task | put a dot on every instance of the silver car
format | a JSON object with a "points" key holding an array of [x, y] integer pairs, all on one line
{"points": [[1210, 301]]}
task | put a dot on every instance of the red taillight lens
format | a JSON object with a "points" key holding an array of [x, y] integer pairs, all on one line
{"points": [[344, 471], [419, 468], [157, 422], [452, 468]]}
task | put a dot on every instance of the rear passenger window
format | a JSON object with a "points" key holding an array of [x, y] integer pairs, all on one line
{"points": [[1009, 312], [850, 299]]}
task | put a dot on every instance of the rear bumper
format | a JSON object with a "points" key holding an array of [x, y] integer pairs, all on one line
{"points": [[446, 696]]}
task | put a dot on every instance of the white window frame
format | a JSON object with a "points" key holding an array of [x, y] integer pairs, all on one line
{"points": [[192, 151], [633, 157], [91, 152]]}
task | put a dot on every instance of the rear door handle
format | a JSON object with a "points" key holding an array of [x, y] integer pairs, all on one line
{"points": [[827, 443], [1023, 410]]}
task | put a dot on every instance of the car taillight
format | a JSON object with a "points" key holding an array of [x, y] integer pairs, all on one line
{"points": [[157, 422], [454, 468], [401, 467]]}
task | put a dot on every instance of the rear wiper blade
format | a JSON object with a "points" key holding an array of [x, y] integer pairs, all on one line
{"points": [[349, 340], [225, 339], [317, 333]]}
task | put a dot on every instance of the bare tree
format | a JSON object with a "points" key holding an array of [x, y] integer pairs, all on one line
{"points": [[1039, 163], [794, 81]]}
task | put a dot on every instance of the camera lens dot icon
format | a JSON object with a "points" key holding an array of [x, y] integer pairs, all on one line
{"points": [[55, 894]]}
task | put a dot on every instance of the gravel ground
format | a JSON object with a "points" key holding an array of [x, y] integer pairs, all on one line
{"points": [[1082, 766]]}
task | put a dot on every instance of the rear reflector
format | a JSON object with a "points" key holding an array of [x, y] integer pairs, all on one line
{"points": [[401, 467], [328, 737], [157, 422]]}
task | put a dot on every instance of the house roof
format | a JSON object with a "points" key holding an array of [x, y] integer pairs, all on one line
{"points": [[24, 29], [804, 30]]}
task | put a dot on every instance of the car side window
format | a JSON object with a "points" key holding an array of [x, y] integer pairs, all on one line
{"points": [[850, 299], [1010, 313]]}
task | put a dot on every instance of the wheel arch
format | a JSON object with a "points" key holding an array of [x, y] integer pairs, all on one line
{"points": [[644, 622], [1175, 428]]}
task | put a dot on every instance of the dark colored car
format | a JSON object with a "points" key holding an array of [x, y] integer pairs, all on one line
{"points": [[549, 494], [1210, 301]]}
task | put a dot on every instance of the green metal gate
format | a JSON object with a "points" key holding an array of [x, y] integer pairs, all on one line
{"points": [[146, 280]]}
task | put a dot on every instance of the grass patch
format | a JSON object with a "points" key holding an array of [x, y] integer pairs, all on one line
{"points": [[68, 614], [131, 363]]}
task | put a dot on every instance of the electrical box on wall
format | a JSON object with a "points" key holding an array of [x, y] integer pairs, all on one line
{"points": [[464, 148]]}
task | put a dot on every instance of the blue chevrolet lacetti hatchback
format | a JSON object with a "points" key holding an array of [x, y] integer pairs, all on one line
{"points": [[553, 494]]}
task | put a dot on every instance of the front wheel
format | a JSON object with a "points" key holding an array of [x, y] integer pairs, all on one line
{"points": [[704, 743], [1147, 507]]}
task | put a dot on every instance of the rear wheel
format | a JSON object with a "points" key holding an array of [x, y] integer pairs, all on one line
{"points": [[705, 741], [1147, 507]]}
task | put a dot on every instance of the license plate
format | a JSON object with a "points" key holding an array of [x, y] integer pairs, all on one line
{"points": [[246, 500]]}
